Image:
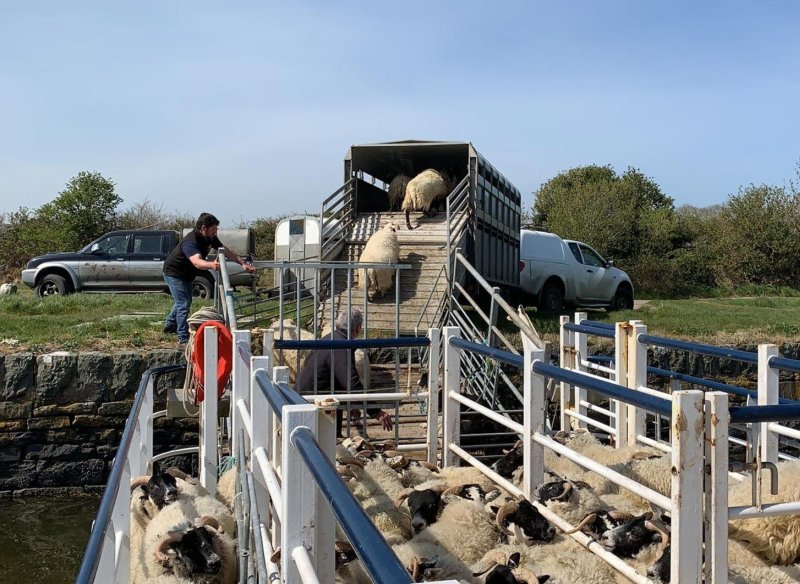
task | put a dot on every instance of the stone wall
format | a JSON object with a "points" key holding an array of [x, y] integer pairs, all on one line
{"points": [[62, 416]]}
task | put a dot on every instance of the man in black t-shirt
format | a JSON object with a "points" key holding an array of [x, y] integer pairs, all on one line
{"points": [[183, 265]]}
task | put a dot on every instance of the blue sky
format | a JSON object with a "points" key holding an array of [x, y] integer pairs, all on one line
{"points": [[246, 109]]}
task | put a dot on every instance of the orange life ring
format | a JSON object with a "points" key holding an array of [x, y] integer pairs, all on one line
{"points": [[224, 357]]}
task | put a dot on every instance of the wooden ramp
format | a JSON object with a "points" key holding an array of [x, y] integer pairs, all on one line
{"points": [[422, 288]]}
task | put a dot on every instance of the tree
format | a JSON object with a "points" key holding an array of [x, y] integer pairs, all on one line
{"points": [[757, 237], [622, 215], [84, 210]]}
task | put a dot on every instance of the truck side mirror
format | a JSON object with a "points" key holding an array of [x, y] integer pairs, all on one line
{"points": [[609, 263], [95, 248]]}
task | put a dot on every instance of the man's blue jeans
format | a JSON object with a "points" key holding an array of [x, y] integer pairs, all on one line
{"points": [[181, 291]]}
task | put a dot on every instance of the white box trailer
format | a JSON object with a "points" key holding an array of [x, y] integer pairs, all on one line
{"points": [[297, 239]]}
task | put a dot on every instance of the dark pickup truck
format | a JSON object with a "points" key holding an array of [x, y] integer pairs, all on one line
{"points": [[120, 261]]}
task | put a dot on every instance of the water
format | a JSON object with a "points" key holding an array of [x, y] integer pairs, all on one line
{"points": [[43, 539]]}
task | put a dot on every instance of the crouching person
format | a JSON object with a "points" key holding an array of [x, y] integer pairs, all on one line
{"points": [[316, 369]]}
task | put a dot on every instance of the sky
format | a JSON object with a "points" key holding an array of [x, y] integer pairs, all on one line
{"points": [[247, 109]]}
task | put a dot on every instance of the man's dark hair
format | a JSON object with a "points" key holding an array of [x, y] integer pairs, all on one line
{"points": [[206, 220]]}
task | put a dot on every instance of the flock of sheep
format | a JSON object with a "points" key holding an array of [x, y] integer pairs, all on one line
{"points": [[180, 534], [455, 523], [406, 194]]}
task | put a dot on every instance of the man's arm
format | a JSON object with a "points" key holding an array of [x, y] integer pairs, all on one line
{"points": [[192, 252], [234, 258]]}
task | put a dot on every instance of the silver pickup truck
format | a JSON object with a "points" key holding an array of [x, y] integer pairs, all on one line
{"points": [[124, 261]]}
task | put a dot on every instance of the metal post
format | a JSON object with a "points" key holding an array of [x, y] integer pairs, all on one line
{"points": [[239, 389], [208, 414], [121, 529], [687, 487], [262, 427], [144, 429], [280, 374], [768, 394], [566, 363], [620, 408], [716, 492], [581, 350], [433, 395], [637, 377], [533, 419], [451, 424], [326, 522], [299, 493]]}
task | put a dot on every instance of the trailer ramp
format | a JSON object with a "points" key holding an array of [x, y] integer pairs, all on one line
{"points": [[420, 298]]}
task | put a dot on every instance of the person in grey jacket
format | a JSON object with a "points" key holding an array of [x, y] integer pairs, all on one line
{"points": [[318, 366]]}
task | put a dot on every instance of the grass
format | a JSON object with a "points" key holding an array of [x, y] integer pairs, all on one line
{"points": [[84, 322], [117, 322], [720, 321]]}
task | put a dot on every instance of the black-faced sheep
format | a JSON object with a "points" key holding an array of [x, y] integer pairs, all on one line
{"points": [[464, 528], [523, 522], [505, 569], [198, 551], [422, 191], [628, 539], [397, 191], [381, 248]]}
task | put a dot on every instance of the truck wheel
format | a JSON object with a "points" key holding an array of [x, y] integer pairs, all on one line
{"points": [[552, 299], [623, 299], [52, 285], [202, 288]]}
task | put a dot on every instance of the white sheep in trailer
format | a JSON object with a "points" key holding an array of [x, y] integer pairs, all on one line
{"points": [[776, 538], [397, 191], [422, 191], [381, 248]]}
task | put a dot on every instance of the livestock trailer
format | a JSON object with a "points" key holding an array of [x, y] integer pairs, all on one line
{"points": [[494, 203]]}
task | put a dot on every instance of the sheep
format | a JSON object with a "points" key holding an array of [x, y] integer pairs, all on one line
{"points": [[377, 486], [775, 538], [180, 513], [654, 473], [586, 444], [629, 538], [571, 501], [382, 248], [564, 561], [430, 561], [764, 575], [505, 569], [422, 191], [151, 493], [292, 358], [464, 529], [226, 487], [397, 191], [195, 550], [520, 519]]}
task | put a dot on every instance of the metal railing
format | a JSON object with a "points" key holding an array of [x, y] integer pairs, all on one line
{"points": [[686, 500], [301, 454]]}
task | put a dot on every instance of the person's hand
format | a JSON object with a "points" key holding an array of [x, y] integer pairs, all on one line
{"points": [[385, 418], [249, 268], [215, 265]]}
